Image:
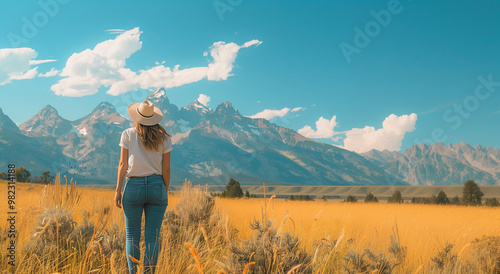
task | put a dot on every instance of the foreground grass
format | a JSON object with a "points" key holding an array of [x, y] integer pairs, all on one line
{"points": [[85, 204], [327, 232], [423, 229]]}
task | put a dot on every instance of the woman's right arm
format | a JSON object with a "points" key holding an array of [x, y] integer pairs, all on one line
{"points": [[166, 169], [122, 170]]}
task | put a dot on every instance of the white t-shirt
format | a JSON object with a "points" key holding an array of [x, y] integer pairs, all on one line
{"points": [[142, 161]]}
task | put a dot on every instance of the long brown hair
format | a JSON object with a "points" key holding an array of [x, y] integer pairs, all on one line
{"points": [[152, 137]]}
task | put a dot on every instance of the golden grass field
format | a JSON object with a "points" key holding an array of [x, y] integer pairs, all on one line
{"points": [[423, 229]]}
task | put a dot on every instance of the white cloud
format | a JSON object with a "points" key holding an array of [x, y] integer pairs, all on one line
{"points": [[203, 99], [251, 43], [269, 114], [324, 129], [37, 62], [116, 31], [104, 65], [389, 137], [296, 109], [15, 64], [359, 140], [51, 73], [224, 56], [30, 74]]}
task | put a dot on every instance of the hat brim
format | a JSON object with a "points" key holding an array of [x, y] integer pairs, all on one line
{"points": [[153, 120]]}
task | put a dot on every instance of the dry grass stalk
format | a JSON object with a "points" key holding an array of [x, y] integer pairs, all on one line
{"points": [[205, 236], [270, 199], [112, 263], [193, 252], [245, 270], [292, 271], [134, 259]]}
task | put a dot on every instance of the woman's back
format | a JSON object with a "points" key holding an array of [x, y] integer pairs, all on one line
{"points": [[143, 161]]}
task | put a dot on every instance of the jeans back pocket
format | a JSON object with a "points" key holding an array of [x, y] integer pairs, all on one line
{"points": [[131, 193], [158, 194]]}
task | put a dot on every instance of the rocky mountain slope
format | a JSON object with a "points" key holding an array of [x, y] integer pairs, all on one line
{"points": [[209, 146], [440, 164]]}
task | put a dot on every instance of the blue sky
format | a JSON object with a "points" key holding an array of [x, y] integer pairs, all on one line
{"points": [[429, 73]]}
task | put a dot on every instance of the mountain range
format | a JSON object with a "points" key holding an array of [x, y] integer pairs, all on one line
{"points": [[212, 145], [440, 164]]}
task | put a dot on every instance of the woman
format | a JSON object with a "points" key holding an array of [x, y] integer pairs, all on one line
{"points": [[145, 161]]}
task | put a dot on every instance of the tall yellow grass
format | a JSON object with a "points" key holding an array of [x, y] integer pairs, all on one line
{"points": [[423, 229], [95, 205]]}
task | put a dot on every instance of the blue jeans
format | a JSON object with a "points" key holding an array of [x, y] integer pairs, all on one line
{"points": [[146, 193]]}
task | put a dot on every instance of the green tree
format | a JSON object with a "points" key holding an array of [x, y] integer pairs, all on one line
{"points": [[396, 197], [351, 199], [491, 202], [3, 176], [455, 200], [22, 174], [471, 194], [370, 198], [46, 178], [442, 199], [233, 189]]}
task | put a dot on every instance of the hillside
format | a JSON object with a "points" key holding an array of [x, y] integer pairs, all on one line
{"points": [[440, 164], [210, 145]]}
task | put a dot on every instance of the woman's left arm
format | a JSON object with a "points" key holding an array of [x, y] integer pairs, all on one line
{"points": [[122, 169]]}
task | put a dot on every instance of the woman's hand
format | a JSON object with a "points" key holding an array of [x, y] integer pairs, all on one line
{"points": [[118, 199]]}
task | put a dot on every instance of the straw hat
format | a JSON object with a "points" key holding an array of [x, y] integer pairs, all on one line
{"points": [[145, 113]]}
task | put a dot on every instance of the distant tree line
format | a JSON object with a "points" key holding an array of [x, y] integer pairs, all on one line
{"points": [[300, 198], [440, 199], [24, 175], [471, 196]]}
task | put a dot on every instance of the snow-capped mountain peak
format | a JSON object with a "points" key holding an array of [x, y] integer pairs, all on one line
{"points": [[198, 107], [157, 93]]}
